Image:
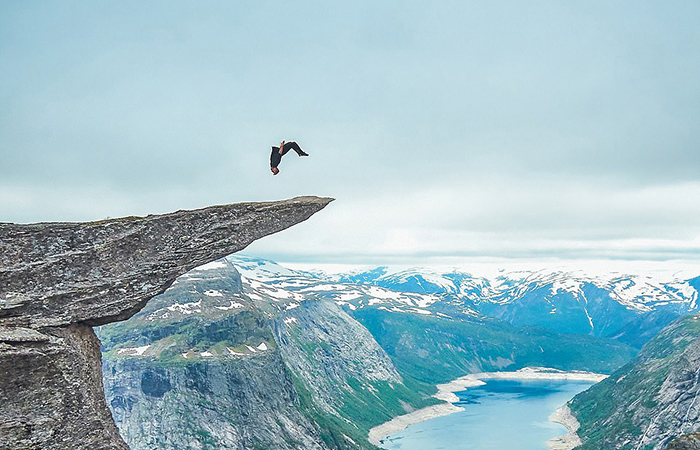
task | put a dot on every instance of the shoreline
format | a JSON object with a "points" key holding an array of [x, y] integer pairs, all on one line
{"points": [[380, 432], [567, 441], [446, 393]]}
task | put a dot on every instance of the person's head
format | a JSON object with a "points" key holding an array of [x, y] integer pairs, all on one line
{"points": [[274, 170]]}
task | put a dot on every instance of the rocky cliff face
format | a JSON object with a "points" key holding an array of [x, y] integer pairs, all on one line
{"points": [[651, 401], [221, 403], [51, 391], [198, 368], [59, 279]]}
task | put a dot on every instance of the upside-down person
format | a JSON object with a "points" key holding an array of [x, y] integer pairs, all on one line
{"points": [[279, 152]]}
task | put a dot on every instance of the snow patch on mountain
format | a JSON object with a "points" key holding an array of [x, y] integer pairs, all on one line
{"points": [[567, 285], [259, 269], [133, 351], [186, 308]]}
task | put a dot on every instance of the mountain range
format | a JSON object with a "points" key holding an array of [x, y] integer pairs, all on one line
{"points": [[629, 308], [246, 353]]}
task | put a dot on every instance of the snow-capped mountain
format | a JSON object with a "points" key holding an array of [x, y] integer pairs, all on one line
{"points": [[264, 279], [565, 301]]}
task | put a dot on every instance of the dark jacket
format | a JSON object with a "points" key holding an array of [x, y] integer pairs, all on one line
{"points": [[275, 157]]}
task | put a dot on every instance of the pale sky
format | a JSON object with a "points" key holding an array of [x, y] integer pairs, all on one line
{"points": [[445, 130]]}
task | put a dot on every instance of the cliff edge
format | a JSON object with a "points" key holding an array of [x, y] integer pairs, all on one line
{"points": [[57, 280]]}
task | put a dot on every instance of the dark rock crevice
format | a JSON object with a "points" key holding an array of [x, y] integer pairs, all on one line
{"points": [[57, 280]]}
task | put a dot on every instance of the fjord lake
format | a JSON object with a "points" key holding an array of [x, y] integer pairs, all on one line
{"points": [[499, 415]]}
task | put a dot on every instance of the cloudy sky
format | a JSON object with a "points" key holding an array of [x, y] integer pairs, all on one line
{"points": [[446, 130]]}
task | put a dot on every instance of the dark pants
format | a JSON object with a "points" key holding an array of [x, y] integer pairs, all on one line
{"points": [[292, 146]]}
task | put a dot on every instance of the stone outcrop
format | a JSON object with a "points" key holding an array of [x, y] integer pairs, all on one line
{"points": [[57, 280]]}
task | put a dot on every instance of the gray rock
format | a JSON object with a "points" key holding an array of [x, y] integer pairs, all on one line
{"points": [[13, 335], [57, 280], [233, 403], [55, 274], [51, 393], [687, 442], [171, 397]]}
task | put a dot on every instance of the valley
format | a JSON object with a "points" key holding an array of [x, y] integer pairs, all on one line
{"points": [[246, 352]]}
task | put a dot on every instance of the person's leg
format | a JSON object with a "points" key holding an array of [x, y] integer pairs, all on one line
{"points": [[294, 146]]}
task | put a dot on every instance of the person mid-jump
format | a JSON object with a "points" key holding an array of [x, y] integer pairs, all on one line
{"points": [[279, 152]]}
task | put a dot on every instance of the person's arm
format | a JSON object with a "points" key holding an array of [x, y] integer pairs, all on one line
{"points": [[281, 147]]}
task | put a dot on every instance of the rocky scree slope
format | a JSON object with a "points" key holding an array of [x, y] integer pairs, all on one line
{"points": [[59, 279]]}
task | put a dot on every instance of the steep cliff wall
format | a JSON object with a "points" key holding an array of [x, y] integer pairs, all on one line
{"points": [[51, 391], [59, 279], [650, 401], [216, 403], [198, 368], [218, 362], [327, 347]]}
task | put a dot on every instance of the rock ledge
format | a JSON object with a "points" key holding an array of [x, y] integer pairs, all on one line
{"points": [[57, 280]]}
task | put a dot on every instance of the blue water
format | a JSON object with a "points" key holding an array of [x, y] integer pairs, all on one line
{"points": [[500, 415]]}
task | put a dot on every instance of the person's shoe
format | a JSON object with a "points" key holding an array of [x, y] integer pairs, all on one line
{"points": [[304, 154]]}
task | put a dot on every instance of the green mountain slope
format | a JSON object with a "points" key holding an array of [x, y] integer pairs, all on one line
{"points": [[650, 401], [436, 350], [208, 366]]}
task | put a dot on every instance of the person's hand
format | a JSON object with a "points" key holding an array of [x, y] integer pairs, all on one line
{"points": [[281, 147]]}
